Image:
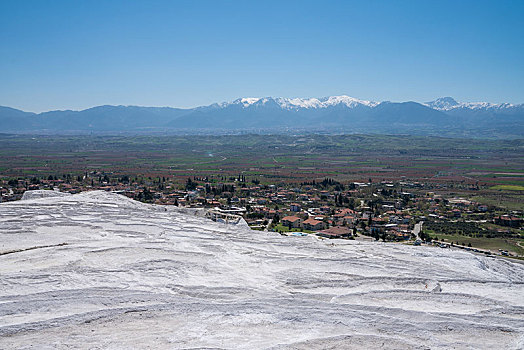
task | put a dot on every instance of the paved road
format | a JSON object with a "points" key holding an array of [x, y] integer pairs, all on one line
{"points": [[417, 229], [268, 224]]}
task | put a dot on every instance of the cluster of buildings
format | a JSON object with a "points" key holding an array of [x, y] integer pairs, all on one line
{"points": [[384, 210]]}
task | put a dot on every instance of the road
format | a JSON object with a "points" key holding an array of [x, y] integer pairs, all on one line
{"points": [[268, 224], [417, 229]]}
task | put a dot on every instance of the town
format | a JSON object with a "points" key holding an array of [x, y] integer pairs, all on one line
{"points": [[394, 211]]}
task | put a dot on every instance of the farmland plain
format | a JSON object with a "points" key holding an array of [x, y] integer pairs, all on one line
{"points": [[488, 170]]}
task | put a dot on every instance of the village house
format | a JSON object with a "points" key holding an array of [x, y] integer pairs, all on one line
{"points": [[335, 232], [482, 208], [506, 220], [313, 225], [325, 209], [294, 207], [292, 221]]}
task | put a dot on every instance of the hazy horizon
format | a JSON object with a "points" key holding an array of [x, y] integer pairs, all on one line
{"points": [[240, 97]]}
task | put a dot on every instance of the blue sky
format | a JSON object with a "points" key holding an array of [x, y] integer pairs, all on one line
{"points": [[78, 54]]}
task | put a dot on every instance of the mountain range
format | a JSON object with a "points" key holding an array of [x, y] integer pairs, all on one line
{"points": [[336, 114]]}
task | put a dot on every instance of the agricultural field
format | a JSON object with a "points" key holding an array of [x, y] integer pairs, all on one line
{"points": [[490, 171], [490, 163], [514, 245]]}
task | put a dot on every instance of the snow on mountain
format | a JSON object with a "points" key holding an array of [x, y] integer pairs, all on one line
{"points": [[486, 105], [348, 101], [296, 103], [443, 103], [247, 101], [448, 103], [440, 104], [443, 117], [99, 270]]}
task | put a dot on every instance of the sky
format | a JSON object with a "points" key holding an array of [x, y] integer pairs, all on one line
{"points": [[78, 54]]}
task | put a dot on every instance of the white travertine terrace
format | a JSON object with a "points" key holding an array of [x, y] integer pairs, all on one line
{"points": [[98, 270]]}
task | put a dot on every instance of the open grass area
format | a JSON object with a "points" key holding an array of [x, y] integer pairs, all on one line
{"points": [[511, 200], [282, 228], [494, 244], [508, 187]]}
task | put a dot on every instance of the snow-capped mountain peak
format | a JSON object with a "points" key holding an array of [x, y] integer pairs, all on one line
{"points": [[248, 101], [486, 105], [348, 101], [442, 103], [448, 103], [300, 103]]}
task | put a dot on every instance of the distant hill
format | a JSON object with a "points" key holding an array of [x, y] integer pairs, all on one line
{"points": [[335, 114]]}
